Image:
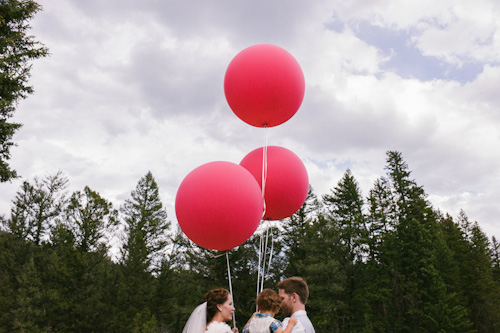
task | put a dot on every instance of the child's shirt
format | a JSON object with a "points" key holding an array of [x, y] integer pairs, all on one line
{"points": [[262, 323]]}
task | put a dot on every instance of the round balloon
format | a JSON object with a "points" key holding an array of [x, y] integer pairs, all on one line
{"points": [[264, 85], [219, 205], [287, 183]]}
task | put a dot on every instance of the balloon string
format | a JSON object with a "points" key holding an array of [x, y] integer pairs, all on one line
{"points": [[258, 268], [264, 262], [260, 261], [264, 172], [270, 253], [263, 245], [230, 286]]}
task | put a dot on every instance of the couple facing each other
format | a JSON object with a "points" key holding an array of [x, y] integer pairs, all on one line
{"points": [[210, 317]]}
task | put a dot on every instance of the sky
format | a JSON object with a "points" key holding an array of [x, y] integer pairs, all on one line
{"points": [[137, 86]]}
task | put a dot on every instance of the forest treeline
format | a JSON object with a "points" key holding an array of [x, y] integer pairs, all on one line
{"points": [[387, 262]]}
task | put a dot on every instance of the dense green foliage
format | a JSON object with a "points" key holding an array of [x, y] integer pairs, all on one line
{"points": [[17, 50], [389, 262]]}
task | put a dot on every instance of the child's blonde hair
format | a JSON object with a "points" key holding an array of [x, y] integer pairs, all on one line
{"points": [[268, 300]]}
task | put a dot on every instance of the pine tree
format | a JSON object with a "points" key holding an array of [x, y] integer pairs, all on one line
{"points": [[295, 228], [477, 278], [345, 209], [420, 299], [17, 49], [81, 242], [381, 253], [382, 212], [345, 213], [452, 254], [146, 225], [495, 249], [146, 238], [91, 219], [36, 206]]}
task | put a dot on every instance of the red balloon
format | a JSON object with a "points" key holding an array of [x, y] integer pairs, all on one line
{"points": [[286, 183], [219, 205], [264, 85]]}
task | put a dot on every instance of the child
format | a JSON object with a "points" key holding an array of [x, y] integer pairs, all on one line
{"points": [[263, 321]]}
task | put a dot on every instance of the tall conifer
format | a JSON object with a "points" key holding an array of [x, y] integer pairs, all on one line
{"points": [[146, 238], [17, 50], [36, 206]]}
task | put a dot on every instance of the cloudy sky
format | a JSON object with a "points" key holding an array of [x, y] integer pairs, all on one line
{"points": [[132, 86]]}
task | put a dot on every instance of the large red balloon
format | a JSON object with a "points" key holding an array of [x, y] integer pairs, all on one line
{"points": [[264, 85], [286, 183], [219, 205]]}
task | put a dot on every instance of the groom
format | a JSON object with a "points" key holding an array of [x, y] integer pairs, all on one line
{"points": [[294, 293]]}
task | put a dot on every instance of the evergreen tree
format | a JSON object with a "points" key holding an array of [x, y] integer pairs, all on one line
{"points": [[421, 302], [381, 254], [146, 227], [295, 228], [90, 218], [382, 213], [495, 249], [452, 254], [36, 206], [12, 254], [477, 278], [17, 50], [345, 209], [56, 288], [84, 275], [345, 213]]}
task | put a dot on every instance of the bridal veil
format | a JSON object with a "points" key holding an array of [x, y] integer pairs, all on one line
{"points": [[197, 322]]}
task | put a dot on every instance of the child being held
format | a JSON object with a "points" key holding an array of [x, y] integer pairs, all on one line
{"points": [[268, 303]]}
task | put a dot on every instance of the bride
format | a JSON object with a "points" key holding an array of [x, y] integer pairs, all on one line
{"points": [[210, 317]]}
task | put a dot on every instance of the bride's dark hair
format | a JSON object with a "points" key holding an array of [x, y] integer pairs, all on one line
{"points": [[213, 298]]}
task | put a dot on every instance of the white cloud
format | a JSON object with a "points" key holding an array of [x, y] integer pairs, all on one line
{"points": [[453, 31], [131, 87]]}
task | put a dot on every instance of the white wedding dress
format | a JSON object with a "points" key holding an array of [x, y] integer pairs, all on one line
{"points": [[218, 327]]}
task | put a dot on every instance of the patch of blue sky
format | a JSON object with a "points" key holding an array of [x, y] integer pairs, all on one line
{"points": [[337, 163], [335, 24], [406, 59], [470, 192]]}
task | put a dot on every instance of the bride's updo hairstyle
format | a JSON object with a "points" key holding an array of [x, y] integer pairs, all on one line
{"points": [[268, 300], [213, 298]]}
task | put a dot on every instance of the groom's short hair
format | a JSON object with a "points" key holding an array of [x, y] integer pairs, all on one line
{"points": [[295, 284]]}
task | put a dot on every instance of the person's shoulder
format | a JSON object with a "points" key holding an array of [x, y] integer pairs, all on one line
{"points": [[301, 315], [304, 320], [298, 328]]}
